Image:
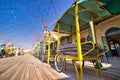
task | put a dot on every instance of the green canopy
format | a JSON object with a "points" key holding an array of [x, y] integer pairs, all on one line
{"points": [[112, 5], [67, 20]]}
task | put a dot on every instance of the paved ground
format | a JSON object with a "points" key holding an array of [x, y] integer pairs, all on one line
{"points": [[115, 61], [112, 72]]}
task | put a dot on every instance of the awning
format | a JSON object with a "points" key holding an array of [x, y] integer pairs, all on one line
{"points": [[113, 6], [67, 20]]}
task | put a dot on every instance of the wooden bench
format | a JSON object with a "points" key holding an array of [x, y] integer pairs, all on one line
{"points": [[52, 54], [88, 49], [90, 52]]}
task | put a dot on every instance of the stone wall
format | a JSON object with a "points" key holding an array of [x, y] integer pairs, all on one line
{"points": [[103, 26]]}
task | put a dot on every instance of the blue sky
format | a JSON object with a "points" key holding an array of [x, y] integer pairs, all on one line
{"points": [[22, 21]]}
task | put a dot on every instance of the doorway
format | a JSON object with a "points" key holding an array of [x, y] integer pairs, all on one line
{"points": [[113, 39]]}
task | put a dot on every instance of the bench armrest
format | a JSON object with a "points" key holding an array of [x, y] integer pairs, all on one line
{"points": [[89, 51], [106, 49]]}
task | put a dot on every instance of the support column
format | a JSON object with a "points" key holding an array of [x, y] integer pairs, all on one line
{"points": [[93, 29], [44, 44], [58, 42], [48, 59], [79, 50], [71, 31]]}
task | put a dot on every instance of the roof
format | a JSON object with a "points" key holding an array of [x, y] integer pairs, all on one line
{"points": [[113, 6], [53, 35], [68, 18]]}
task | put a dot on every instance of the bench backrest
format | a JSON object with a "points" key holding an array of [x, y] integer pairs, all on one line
{"points": [[52, 51], [71, 49]]}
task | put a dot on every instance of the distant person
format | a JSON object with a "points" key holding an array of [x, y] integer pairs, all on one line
{"points": [[2, 53], [17, 52]]}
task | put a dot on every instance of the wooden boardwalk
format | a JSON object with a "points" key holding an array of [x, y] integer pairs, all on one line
{"points": [[27, 68]]}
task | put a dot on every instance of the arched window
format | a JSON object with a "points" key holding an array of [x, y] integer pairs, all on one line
{"points": [[111, 30]]}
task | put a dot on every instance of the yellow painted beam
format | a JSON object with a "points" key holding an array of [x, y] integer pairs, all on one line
{"points": [[76, 70], [48, 59], [79, 50], [58, 42], [44, 44]]}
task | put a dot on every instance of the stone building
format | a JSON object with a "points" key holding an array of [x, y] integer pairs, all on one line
{"points": [[107, 31]]}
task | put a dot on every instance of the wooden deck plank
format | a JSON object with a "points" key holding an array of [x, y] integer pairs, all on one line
{"points": [[12, 69], [27, 73], [34, 74], [20, 72], [5, 67], [22, 75], [5, 61], [8, 64], [40, 76], [27, 68], [7, 75], [16, 72]]}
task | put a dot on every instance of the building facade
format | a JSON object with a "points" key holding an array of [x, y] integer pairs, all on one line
{"points": [[108, 32]]}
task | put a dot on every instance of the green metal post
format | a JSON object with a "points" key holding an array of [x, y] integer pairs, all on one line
{"points": [[93, 29]]}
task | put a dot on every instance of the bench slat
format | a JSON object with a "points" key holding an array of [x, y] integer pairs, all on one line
{"points": [[71, 49]]}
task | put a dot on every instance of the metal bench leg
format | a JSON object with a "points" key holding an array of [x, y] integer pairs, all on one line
{"points": [[99, 69], [76, 70], [96, 71], [81, 70], [65, 64]]}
